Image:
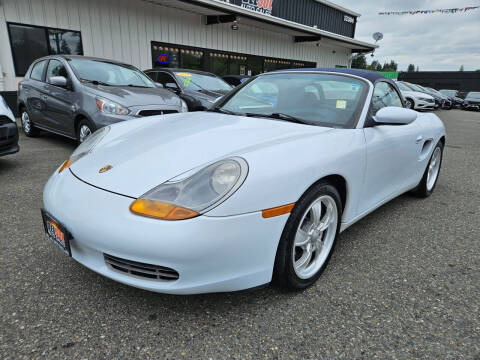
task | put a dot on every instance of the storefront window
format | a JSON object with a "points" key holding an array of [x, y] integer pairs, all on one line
{"points": [[191, 59], [165, 56], [238, 65], [32, 42], [219, 63]]}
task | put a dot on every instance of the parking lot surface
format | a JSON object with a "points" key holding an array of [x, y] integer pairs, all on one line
{"points": [[403, 283]]}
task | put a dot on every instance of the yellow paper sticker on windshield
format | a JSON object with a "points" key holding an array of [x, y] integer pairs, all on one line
{"points": [[184, 74], [341, 104]]}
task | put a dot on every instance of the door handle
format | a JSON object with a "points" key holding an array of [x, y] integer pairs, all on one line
{"points": [[44, 97], [419, 139]]}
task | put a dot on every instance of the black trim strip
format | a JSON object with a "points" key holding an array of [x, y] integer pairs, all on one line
{"points": [[112, 192]]}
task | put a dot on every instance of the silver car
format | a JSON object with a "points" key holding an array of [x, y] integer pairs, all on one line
{"points": [[75, 95]]}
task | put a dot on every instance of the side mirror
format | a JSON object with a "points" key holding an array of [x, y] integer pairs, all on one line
{"points": [[171, 86], [392, 115], [60, 81], [159, 85]]}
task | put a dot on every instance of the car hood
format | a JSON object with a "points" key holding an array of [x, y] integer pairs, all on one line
{"points": [[416, 94], [135, 96], [146, 152]]}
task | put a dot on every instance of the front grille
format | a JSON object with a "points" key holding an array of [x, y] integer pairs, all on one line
{"points": [[4, 120], [135, 268], [156, 112]]}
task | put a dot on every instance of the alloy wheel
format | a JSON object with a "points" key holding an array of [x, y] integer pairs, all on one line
{"points": [[27, 126], [315, 236], [84, 132]]}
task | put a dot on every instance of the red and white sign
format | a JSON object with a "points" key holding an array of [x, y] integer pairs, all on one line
{"points": [[261, 6]]}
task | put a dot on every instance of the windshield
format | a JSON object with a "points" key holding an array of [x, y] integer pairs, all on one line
{"points": [[403, 87], [107, 73], [415, 87], [436, 92], [449, 92], [198, 82], [316, 99], [473, 95]]}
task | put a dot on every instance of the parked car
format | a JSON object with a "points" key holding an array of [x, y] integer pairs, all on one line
{"points": [[472, 101], [75, 95], [447, 103], [8, 130], [199, 89], [453, 95], [439, 99], [416, 99], [247, 192], [235, 80]]}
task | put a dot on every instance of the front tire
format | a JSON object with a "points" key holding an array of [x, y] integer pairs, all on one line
{"points": [[430, 177], [410, 104], [309, 238], [84, 130], [28, 128]]}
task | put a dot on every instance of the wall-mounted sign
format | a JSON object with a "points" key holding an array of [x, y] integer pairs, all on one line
{"points": [[348, 19], [261, 6], [164, 59]]}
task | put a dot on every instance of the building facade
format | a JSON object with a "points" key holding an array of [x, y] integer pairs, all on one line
{"points": [[222, 36]]}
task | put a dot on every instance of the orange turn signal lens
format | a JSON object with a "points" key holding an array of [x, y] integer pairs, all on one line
{"points": [[161, 210], [277, 211], [65, 165]]}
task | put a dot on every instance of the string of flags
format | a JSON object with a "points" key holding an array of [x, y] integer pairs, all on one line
{"points": [[437, 11]]}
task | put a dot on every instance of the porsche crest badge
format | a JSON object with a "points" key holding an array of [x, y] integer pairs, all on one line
{"points": [[105, 168]]}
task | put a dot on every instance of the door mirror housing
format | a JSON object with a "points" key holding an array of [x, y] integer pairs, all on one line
{"points": [[171, 86], [159, 85], [60, 81], [392, 115]]}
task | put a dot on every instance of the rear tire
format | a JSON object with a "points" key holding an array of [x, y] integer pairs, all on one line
{"points": [[27, 125], [84, 129], [304, 248], [431, 174]]}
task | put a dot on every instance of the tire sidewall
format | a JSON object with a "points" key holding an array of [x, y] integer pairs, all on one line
{"points": [[423, 190], [284, 273], [412, 104]]}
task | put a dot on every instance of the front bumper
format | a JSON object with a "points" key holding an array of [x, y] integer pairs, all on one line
{"points": [[471, 106], [424, 105], [210, 254], [8, 139]]}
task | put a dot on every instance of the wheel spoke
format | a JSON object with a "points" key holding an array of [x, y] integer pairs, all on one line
{"points": [[327, 218], [301, 238], [304, 259], [316, 212]]}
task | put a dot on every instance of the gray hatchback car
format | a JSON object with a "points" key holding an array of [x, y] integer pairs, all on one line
{"points": [[75, 95]]}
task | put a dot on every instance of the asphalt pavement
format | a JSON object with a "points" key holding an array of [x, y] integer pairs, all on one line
{"points": [[403, 283]]}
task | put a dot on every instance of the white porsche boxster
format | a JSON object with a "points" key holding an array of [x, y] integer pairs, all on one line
{"points": [[254, 190]]}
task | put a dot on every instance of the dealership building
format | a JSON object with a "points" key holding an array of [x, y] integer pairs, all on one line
{"points": [[244, 37]]}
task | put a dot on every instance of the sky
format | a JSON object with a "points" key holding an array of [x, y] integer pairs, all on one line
{"points": [[433, 42]]}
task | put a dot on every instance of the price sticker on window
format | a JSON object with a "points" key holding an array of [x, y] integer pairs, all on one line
{"points": [[341, 104]]}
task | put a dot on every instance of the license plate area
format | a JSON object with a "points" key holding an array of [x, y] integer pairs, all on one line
{"points": [[56, 233]]}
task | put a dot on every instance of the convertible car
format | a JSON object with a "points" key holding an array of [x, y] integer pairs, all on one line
{"points": [[252, 191]]}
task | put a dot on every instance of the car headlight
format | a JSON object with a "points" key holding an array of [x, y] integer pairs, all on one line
{"points": [[184, 106], [423, 99], [110, 107], [85, 147], [195, 194]]}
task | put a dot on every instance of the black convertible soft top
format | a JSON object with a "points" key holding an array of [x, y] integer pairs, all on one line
{"points": [[371, 76]]}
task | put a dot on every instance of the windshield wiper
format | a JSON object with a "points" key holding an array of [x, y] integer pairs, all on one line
{"points": [[96, 82], [280, 116], [223, 111], [132, 85]]}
